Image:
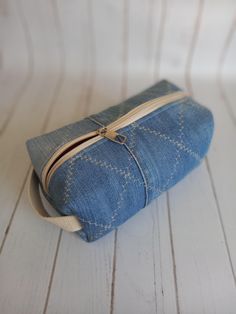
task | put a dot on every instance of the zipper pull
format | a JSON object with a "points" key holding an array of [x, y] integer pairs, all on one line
{"points": [[112, 135]]}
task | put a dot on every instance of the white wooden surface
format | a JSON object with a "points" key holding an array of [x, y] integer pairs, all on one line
{"points": [[61, 60]]}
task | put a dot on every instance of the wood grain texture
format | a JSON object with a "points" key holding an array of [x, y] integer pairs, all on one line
{"points": [[61, 60]]}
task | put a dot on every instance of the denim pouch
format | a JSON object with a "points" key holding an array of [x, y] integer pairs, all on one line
{"points": [[102, 170]]}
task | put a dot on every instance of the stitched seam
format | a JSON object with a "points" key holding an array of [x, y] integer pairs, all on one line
{"points": [[177, 158], [114, 214], [128, 179], [68, 182], [131, 140], [101, 163], [141, 171], [131, 147], [120, 197], [181, 146], [109, 225]]}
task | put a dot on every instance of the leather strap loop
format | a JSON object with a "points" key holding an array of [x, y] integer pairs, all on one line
{"points": [[67, 223]]}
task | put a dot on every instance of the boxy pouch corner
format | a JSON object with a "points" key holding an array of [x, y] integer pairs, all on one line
{"points": [[101, 170]]}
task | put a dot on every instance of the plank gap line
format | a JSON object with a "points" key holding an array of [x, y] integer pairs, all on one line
{"points": [[188, 79], [220, 219], [50, 108], [91, 71], [53, 271], [193, 46], [113, 273], [153, 255], [14, 210], [173, 255], [160, 37], [223, 55], [125, 60]]}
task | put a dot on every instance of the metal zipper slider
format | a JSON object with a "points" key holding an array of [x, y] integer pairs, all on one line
{"points": [[112, 135]]}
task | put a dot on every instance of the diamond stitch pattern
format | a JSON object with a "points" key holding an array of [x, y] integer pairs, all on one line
{"points": [[107, 183]]}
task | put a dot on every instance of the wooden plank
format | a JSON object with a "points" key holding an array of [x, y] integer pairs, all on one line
{"points": [[172, 56], [177, 40], [144, 279], [143, 273], [13, 34], [135, 288], [28, 273], [16, 64], [142, 26], [26, 232], [222, 155], [83, 275], [221, 163], [13, 171], [36, 103], [166, 295], [208, 50], [87, 268], [12, 87], [199, 245], [26, 261], [200, 251], [194, 278]]}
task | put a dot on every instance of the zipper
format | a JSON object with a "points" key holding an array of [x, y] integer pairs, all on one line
{"points": [[76, 145]]}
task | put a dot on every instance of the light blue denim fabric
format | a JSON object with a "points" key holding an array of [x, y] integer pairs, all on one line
{"points": [[107, 183]]}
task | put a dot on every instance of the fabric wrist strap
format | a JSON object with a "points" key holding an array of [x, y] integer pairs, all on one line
{"points": [[67, 223]]}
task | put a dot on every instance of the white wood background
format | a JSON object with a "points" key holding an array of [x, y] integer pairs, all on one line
{"points": [[61, 60]]}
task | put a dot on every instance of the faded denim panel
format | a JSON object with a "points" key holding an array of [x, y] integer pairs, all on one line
{"points": [[107, 183]]}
